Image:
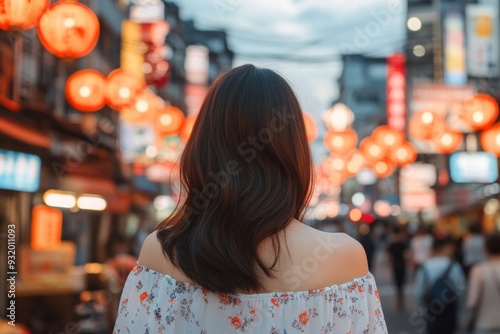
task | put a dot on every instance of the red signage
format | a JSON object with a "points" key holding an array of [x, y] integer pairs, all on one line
{"points": [[396, 92]]}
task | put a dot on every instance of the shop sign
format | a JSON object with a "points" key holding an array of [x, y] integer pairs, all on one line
{"points": [[396, 92], [19, 171], [454, 48], [46, 227], [483, 37], [477, 167]]}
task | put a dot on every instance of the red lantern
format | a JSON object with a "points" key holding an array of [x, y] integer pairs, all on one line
{"points": [[311, 128], [382, 169], [21, 14], [447, 140], [425, 124], [85, 90], [403, 154], [123, 87], [341, 142], [480, 112], [387, 136], [143, 109], [490, 139], [170, 121], [187, 128], [69, 29], [371, 150]]}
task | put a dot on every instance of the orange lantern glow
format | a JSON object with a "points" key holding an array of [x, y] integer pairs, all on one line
{"points": [[480, 112], [311, 128], [355, 215], [144, 108], [21, 14], [387, 136], [382, 169], [490, 139], [122, 88], [355, 162], [46, 227], [187, 128], [371, 150], [424, 125], [85, 90], [403, 155], [447, 140], [69, 29], [341, 142], [170, 121]]}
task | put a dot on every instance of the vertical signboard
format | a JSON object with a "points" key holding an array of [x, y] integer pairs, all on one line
{"points": [[396, 92], [454, 48], [196, 66], [483, 37]]}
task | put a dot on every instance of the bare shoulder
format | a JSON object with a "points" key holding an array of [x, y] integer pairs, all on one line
{"points": [[152, 255]]}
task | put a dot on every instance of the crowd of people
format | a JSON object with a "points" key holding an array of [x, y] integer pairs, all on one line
{"points": [[451, 277]]}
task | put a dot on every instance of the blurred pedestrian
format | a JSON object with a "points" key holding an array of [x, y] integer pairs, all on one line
{"points": [[473, 248], [365, 237], [420, 245], [439, 286], [398, 251], [484, 290]]}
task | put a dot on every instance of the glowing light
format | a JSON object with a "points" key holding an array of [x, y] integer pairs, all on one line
{"points": [[355, 215], [166, 119], [491, 207], [59, 199], [381, 167], [374, 150], [69, 22], [142, 106], [419, 50], [124, 92], [91, 202], [446, 139], [395, 210], [358, 199], [85, 91], [414, 24], [338, 141], [151, 151], [427, 117], [382, 208], [478, 117]]}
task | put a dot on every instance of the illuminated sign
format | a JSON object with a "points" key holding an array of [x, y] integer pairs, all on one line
{"points": [[396, 92], [477, 167], [19, 171]]}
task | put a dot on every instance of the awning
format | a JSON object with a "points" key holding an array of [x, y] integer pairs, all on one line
{"points": [[25, 133]]}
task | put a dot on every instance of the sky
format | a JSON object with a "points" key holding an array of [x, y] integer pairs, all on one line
{"points": [[303, 40]]}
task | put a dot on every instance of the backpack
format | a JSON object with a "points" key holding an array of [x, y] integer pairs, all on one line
{"points": [[441, 303]]}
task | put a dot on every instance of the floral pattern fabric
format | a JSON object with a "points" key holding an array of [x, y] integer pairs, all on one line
{"points": [[152, 302]]}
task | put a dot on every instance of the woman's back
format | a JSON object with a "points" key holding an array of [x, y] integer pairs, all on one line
{"points": [[322, 285]]}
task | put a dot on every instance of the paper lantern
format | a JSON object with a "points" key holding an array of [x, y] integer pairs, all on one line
{"points": [[371, 150], [403, 154], [187, 128], [424, 125], [382, 169], [170, 121], [490, 139], [480, 112], [387, 136], [46, 227], [69, 29], [144, 108], [21, 14], [311, 128], [122, 88], [447, 140], [341, 142], [85, 90]]}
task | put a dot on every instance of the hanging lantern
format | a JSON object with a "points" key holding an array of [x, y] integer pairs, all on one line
{"points": [[21, 14], [85, 90], [402, 155], [69, 29], [311, 128], [447, 140], [480, 112], [144, 109], [170, 121], [424, 125], [187, 128], [338, 118], [490, 139], [387, 136], [341, 142], [122, 88], [371, 150], [355, 162], [383, 169]]}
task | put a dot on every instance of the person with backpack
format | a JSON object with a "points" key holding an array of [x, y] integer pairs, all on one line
{"points": [[440, 288], [484, 290]]}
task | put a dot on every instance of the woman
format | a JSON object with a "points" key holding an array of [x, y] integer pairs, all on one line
{"points": [[484, 289], [234, 257]]}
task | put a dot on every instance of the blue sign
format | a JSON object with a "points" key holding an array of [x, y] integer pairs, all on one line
{"points": [[477, 167], [19, 171]]}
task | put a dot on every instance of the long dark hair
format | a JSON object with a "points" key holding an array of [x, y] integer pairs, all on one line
{"points": [[247, 172]]}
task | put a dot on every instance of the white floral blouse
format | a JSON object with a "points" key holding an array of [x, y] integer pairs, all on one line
{"points": [[153, 303]]}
